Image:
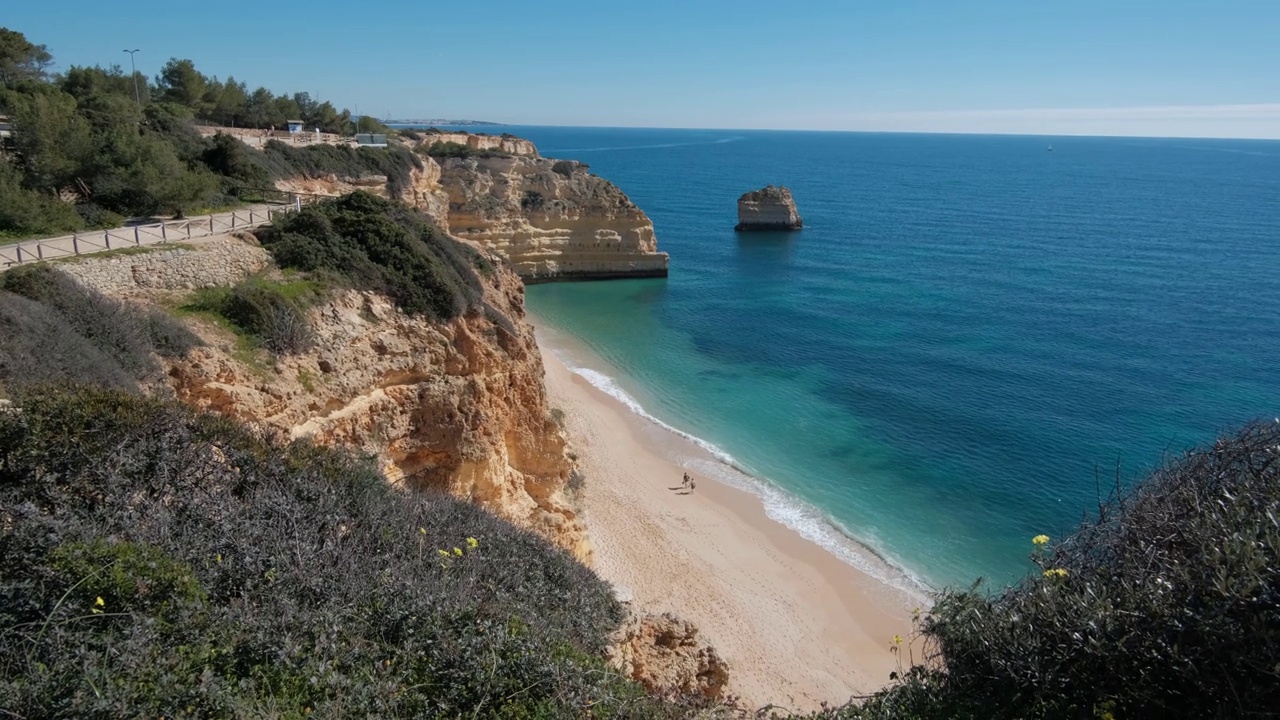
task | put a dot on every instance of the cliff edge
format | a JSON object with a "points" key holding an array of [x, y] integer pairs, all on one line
{"points": [[769, 208], [552, 219], [457, 407]]}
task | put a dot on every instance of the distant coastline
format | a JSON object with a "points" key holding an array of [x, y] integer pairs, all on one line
{"points": [[439, 121]]}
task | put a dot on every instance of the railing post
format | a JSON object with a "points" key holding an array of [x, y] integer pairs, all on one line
{"points": [[210, 224], [75, 244], [18, 247], [135, 234], [39, 251], [164, 233], [106, 236]]}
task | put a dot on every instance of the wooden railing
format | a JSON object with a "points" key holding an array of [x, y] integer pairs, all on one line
{"points": [[96, 241]]}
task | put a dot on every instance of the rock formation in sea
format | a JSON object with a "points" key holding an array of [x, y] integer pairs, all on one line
{"points": [[552, 219], [769, 208]]}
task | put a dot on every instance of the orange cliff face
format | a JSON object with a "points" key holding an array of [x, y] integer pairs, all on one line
{"points": [[457, 407], [552, 219]]}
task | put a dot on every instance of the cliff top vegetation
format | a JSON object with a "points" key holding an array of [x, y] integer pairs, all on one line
{"points": [[93, 146]]}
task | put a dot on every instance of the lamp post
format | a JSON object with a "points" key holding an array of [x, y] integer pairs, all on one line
{"points": [[136, 96]]}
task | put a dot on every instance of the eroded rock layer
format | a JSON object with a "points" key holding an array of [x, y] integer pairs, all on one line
{"points": [[665, 654], [457, 407], [769, 208], [552, 219]]}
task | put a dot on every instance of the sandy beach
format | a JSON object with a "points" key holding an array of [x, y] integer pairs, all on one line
{"points": [[797, 625]]}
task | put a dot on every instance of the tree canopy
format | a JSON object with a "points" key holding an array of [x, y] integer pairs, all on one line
{"points": [[95, 145]]}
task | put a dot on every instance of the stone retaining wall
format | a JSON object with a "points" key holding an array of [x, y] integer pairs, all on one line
{"points": [[216, 263]]}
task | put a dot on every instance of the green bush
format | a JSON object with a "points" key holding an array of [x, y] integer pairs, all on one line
{"points": [[375, 244], [27, 213], [315, 161], [155, 561], [1167, 604], [272, 313], [443, 149], [56, 329]]}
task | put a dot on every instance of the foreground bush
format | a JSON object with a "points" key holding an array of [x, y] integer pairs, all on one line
{"points": [[54, 329], [154, 561], [1165, 605], [375, 244]]}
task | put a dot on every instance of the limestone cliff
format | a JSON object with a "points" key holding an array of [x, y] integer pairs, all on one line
{"points": [[552, 219], [480, 141], [457, 407], [769, 208]]}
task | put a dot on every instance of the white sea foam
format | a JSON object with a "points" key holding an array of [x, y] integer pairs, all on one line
{"points": [[779, 505]]}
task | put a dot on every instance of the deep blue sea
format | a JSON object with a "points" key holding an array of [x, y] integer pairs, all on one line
{"points": [[968, 338]]}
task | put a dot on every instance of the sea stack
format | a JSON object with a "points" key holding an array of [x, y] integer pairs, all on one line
{"points": [[769, 208]]}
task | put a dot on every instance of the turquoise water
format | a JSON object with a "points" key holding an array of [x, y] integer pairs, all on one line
{"points": [[967, 338]]}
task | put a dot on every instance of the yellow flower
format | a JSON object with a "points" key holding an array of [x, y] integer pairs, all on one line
{"points": [[100, 602], [218, 558], [1040, 539], [472, 543], [897, 639], [98, 605], [457, 551], [443, 553], [422, 531], [1055, 572]]}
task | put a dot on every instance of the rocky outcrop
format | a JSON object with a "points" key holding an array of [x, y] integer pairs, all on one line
{"points": [[504, 143], [663, 653], [551, 218], [769, 208], [456, 407]]}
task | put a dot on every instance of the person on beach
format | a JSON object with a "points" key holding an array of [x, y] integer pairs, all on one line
{"points": [[685, 485], [693, 485]]}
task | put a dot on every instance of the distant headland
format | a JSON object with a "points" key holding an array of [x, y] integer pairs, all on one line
{"points": [[438, 121]]}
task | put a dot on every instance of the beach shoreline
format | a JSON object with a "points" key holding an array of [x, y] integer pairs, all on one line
{"points": [[797, 625]]}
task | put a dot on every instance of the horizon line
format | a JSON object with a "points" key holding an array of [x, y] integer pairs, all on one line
{"points": [[1261, 121]]}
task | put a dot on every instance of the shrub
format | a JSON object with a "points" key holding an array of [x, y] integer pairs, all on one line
{"points": [[273, 314], [27, 213], [377, 245], [443, 149], [61, 330], [96, 216], [1167, 604], [156, 561], [314, 161]]}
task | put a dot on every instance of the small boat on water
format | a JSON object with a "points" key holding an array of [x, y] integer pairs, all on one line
{"points": [[1049, 149]]}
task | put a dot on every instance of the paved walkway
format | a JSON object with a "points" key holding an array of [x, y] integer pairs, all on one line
{"points": [[96, 241]]}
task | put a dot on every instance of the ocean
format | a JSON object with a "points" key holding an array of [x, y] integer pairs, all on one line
{"points": [[968, 343]]}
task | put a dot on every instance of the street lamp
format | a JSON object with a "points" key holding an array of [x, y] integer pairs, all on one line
{"points": [[137, 97]]}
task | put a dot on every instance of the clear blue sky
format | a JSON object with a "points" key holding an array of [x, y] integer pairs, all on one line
{"points": [[1145, 67]]}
